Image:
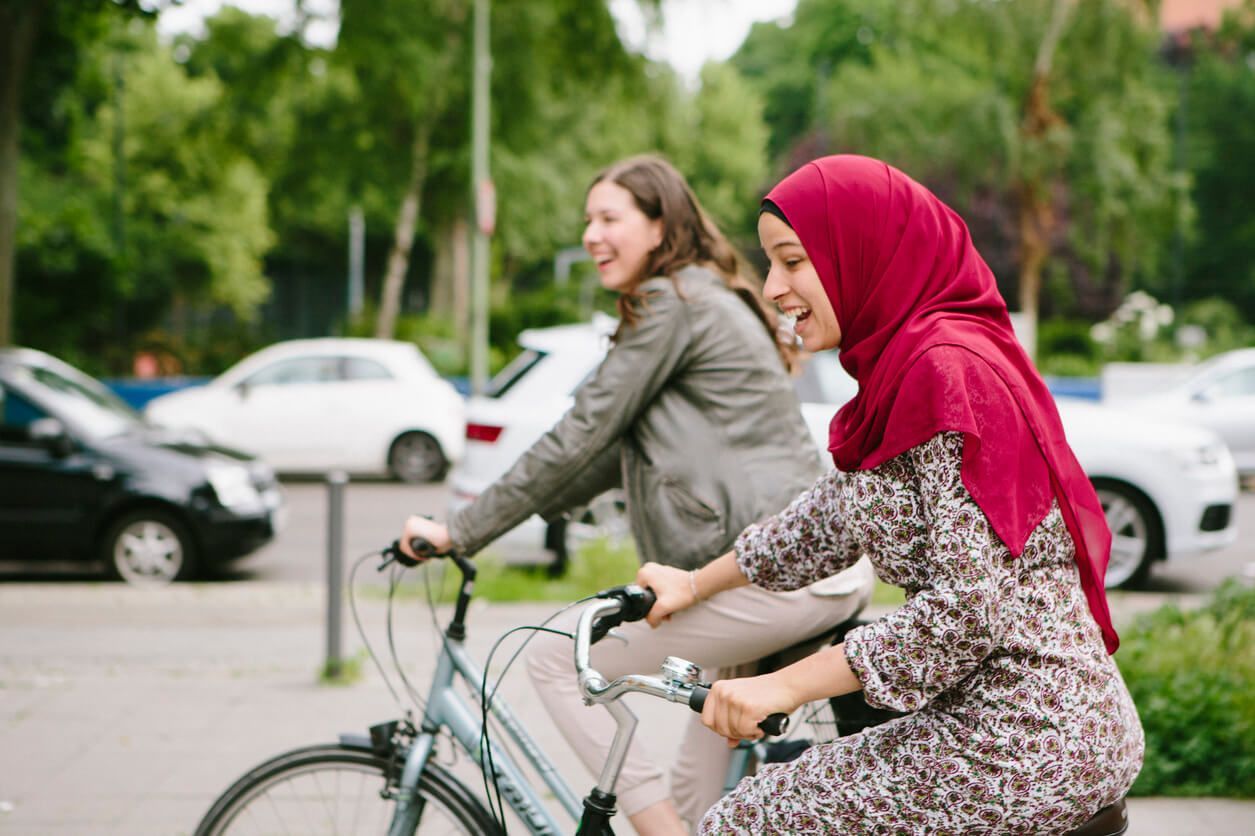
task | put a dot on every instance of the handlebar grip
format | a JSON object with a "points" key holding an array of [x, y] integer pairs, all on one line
{"points": [[775, 724], [648, 599], [422, 547]]}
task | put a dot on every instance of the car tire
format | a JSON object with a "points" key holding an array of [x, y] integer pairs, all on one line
{"points": [[149, 547], [1137, 538], [417, 457]]}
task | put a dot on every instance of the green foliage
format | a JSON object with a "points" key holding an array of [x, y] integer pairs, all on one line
{"points": [[146, 203], [939, 88], [1066, 349], [597, 565], [1221, 321], [1218, 98], [723, 149], [1192, 677], [348, 672], [789, 64]]}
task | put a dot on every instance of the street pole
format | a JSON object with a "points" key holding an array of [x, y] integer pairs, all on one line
{"points": [[336, 480], [484, 200]]}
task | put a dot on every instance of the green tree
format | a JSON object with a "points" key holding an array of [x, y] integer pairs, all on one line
{"points": [[57, 34], [1220, 155], [1053, 108], [144, 204]]}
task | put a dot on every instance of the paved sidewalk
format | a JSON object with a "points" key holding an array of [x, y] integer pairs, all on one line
{"points": [[126, 711]]}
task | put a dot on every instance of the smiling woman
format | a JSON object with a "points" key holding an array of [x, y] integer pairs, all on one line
{"points": [[956, 479]]}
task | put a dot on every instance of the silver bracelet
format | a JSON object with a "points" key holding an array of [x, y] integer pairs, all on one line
{"points": [[693, 585]]}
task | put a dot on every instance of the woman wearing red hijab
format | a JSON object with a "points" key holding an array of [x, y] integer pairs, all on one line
{"points": [[955, 478]]}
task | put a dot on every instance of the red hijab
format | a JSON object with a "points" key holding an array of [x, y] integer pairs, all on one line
{"points": [[927, 336]]}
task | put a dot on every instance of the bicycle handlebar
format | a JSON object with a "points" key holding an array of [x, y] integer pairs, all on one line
{"points": [[631, 603]]}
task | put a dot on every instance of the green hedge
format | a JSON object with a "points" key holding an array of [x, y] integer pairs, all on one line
{"points": [[1192, 676]]}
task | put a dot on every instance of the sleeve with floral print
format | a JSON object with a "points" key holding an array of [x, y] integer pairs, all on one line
{"points": [[806, 542], [947, 628]]}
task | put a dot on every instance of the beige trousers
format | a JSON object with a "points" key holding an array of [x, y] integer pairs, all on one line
{"points": [[733, 628]]}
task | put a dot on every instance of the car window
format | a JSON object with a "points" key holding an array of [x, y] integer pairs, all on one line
{"points": [[1234, 385], [297, 370], [362, 368], [515, 371], [83, 403], [16, 416]]}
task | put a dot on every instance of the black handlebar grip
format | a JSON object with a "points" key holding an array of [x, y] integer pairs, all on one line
{"points": [[775, 724], [422, 548], [648, 599]]}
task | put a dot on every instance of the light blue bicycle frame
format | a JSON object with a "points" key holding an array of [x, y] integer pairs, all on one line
{"points": [[446, 708]]}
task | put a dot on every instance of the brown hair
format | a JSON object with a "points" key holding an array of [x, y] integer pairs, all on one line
{"points": [[689, 236]]}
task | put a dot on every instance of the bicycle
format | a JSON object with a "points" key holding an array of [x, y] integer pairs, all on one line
{"points": [[391, 770]]}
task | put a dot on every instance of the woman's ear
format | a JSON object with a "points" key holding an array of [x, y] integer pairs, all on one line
{"points": [[657, 232]]}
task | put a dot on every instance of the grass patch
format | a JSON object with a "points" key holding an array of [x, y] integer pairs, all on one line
{"points": [[595, 566], [1192, 677], [349, 673]]}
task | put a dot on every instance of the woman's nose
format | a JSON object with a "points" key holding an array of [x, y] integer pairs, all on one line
{"points": [[774, 287]]}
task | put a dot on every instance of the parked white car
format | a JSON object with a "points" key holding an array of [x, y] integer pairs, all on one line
{"points": [[373, 407], [1219, 394], [1168, 489]]}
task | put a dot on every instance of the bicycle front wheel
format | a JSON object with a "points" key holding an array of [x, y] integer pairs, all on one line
{"points": [[336, 790]]}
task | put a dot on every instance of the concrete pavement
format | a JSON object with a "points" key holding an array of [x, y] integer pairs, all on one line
{"points": [[126, 711]]}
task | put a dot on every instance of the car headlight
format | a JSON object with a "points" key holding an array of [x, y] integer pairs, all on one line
{"points": [[233, 486]]}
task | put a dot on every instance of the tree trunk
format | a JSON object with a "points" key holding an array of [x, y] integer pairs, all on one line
{"points": [[1036, 218], [449, 277], [403, 235], [462, 278], [19, 24]]}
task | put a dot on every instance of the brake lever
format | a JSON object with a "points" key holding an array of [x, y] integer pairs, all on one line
{"points": [[393, 554]]}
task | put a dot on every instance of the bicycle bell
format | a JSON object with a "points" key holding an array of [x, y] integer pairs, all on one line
{"points": [[677, 671]]}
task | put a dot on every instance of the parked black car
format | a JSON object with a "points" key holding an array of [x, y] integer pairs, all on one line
{"points": [[83, 477]]}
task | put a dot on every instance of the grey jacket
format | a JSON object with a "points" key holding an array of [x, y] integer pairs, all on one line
{"points": [[691, 412]]}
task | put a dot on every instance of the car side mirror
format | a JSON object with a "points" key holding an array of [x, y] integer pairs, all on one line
{"points": [[51, 434], [1201, 397], [242, 389]]}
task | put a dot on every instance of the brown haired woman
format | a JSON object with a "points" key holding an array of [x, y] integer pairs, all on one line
{"points": [[693, 414]]}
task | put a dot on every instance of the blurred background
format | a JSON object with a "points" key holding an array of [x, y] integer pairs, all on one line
{"points": [[183, 182]]}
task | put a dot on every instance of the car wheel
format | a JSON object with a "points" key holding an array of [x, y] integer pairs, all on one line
{"points": [[417, 457], [149, 547], [1137, 539]]}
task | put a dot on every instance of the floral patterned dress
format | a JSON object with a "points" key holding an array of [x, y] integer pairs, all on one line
{"points": [[1021, 722]]}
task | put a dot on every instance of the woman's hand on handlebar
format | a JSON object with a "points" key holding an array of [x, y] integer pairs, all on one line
{"points": [[670, 585], [735, 707], [433, 532]]}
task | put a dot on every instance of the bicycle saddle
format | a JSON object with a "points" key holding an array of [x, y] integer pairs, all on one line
{"points": [[1111, 820]]}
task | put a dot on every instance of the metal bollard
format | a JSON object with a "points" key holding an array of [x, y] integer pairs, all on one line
{"points": [[336, 480]]}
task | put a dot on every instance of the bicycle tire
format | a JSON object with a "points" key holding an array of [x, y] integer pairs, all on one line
{"points": [[296, 793]]}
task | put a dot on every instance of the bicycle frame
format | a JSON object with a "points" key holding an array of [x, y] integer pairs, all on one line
{"points": [[447, 709]]}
